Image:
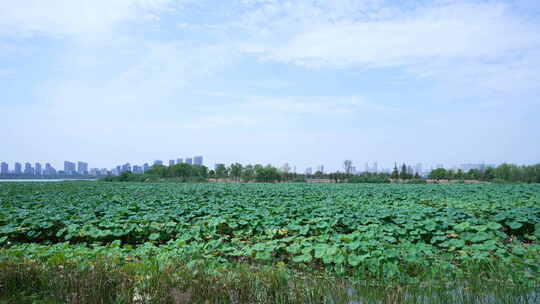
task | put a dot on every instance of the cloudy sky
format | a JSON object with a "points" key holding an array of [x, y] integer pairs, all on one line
{"points": [[270, 81]]}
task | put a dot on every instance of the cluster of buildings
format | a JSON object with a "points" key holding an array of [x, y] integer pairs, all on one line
{"points": [[139, 169], [37, 169], [81, 168]]}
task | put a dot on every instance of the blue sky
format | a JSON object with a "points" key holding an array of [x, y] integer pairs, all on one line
{"points": [[264, 81]]}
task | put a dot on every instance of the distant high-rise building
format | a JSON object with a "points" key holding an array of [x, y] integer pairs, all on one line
{"points": [[158, 162], [171, 162], [375, 167], [308, 171], [198, 160], [189, 161], [146, 167], [4, 168], [179, 160], [69, 168], [49, 170], [28, 170], [125, 167], [82, 168], [38, 169], [320, 168], [118, 170], [18, 168]]}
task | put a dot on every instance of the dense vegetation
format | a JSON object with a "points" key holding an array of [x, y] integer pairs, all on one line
{"points": [[391, 234], [505, 173]]}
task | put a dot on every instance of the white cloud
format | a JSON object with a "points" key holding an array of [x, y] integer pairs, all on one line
{"points": [[449, 41], [73, 17], [445, 32]]}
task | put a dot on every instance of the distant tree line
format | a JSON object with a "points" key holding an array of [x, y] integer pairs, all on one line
{"points": [[505, 173], [253, 173], [183, 172]]}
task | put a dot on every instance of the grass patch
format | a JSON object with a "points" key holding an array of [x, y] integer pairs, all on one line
{"points": [[26, 281]]}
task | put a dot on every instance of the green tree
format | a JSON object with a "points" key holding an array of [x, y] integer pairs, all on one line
{"points": [[439, 173], [248, 173], [395, 172], [460, 174], [221, 171], [473, 174], [488, 174], [236, 171], [403, 174]]}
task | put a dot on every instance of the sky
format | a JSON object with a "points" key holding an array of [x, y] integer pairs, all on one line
{"points": [[311, 82]]}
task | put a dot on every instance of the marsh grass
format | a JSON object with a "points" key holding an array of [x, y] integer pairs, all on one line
{"points": [[150, 282]]}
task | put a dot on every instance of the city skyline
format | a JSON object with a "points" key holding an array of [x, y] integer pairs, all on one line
{"points": [[306, 82], [81, 168]]}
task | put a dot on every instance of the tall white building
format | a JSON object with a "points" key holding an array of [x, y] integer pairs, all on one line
{"points": [[49, 170], [28, 169], [4, 168], [198, 160], [126, 167], [18, 168], [38, 169], [82, 168]]}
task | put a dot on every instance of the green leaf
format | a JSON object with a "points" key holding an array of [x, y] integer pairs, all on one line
{"points": [[355, 260], [494, 226], [304, 258], [457, 243], [154, 236], [264, 255], [462, 226], [339, 259], [514, 225]]}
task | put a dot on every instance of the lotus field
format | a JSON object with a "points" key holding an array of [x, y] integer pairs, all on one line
{"points": [[387, 233]]}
